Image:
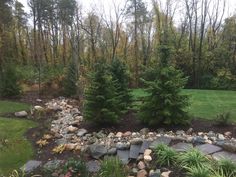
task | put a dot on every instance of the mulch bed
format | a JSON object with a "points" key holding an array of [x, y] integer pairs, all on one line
{"points": [[129, 122]]}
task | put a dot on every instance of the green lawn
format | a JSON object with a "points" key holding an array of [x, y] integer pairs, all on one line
{"points": [[204, 104], [9, 106], [15, 150]]}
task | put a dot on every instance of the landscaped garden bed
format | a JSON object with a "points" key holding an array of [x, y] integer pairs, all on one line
{"points": [[68, 137]]}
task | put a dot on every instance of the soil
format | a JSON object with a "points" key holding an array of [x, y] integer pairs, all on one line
{"points": [[129, 122]]}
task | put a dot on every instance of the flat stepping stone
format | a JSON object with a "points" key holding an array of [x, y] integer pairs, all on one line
{"points": [[123, 155], [145, 146], [97, 150], [208, 148], [134, 151], [93, 166], [30, 166], [161, 140], [182, 147], [224, 155]]}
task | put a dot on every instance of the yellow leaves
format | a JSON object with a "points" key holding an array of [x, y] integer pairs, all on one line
{"points": [[47, 137], [42, 143], [59, 149]]}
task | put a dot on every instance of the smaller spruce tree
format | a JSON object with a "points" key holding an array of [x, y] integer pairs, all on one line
{"points": [[165, 103], [101, 98]]}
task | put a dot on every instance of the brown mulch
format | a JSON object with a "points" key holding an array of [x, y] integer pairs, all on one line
{"points": [[129, 122]]}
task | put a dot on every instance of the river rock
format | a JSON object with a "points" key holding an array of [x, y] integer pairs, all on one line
{"points": [[165, 174], [81, 132], [21, 114], [38, 108], [142, 173], [119, 135], [141, 165], [156, 173], [122, 145], [147, 158], [72, 129], [147, 152]]}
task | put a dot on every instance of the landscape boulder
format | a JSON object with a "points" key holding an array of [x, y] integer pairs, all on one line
{"points": [[21, 114]]}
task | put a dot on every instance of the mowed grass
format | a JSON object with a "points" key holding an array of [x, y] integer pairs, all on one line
{"points": [[15, 150], [204, 104], [9, 106]]}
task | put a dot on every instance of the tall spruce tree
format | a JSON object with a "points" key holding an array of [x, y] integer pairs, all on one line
{"points": [[165, 103], [101, 97], [120, 76]]}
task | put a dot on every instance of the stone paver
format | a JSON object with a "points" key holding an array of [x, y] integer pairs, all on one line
{"points": [[145, 146], [97, 150], [31, 166], [224, 155], [123, 156], [208, 148], [182, 147], [134, 151], [160, 140]]}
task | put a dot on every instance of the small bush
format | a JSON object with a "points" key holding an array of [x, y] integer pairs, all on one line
{"points": [[192, 158], [198, 172], [226, 167], [223, 119], [9, 85], [112, 167], [165, 155], [76, 168]]}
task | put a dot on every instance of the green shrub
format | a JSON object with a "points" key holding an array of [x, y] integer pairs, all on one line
{"points": [[165, 155], [120, 76], [195, 171], [226, 167], [112, 167], [101, 98], [165, 102], [9, 85], [223, 119], [192, 158], [76, 168], [70, 82]]}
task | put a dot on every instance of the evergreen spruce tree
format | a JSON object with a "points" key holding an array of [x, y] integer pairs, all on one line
{"points": [[9, 86], [70, 83], [101, 98], [120, 76], [165, 103]]}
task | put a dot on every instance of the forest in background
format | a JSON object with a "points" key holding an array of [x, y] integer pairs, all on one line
{"points": [[56, 33]]}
